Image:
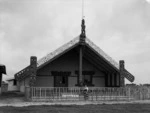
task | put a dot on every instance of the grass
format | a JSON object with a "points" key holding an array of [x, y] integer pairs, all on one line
{"points": [[11, 94], [104, 108], [118, 108]]}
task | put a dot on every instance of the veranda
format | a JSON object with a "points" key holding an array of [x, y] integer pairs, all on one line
{"points": [[93, 93]]}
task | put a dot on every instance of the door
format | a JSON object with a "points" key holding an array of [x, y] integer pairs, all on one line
{"points": [[61, 81]]}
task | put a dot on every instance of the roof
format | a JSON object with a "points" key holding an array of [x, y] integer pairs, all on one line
{"points": [[71, 44], [58, 51], [49, 57]]}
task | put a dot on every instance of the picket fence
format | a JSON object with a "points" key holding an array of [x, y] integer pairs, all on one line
{"points": [[92, 94]]}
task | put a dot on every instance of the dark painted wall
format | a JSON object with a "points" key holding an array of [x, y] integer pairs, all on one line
{"points": [[68, 62]]}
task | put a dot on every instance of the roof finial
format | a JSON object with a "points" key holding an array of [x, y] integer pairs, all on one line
{"points": [[83, 28], [82, 35]]}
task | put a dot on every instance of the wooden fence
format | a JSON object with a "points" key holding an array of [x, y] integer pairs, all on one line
{"points": [[93, 93], [140, 92]]}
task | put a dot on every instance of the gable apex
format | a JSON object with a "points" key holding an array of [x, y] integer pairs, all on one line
{"points": [[71, 44]]}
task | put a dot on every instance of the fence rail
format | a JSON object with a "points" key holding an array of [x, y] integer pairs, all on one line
{"points": [[140, 92], [93, 93]]}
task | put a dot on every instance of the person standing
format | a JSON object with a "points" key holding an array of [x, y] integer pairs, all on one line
{"points": [[85, 92]]}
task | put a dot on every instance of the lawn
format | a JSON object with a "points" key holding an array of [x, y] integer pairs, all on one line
{"points": [[11, 94], [115, 108]]}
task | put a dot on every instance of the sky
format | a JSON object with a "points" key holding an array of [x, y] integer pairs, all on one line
{"points": [[121, 28]]}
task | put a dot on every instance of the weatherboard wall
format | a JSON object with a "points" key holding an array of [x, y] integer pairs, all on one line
{"points": [[24, 83]]}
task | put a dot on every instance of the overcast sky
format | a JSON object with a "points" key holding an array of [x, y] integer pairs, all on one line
{"points": [[36, 27]]}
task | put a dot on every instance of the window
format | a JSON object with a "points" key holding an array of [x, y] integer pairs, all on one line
{"points": [[87, 78], [60, 81], [15, 82]]}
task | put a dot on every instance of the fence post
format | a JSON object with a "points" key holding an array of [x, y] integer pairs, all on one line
{"points": [[45, 92], [148, 92], [40, 92], [27, 92], [129, 93]]}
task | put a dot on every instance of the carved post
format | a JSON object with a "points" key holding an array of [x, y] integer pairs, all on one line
{"points": [[82, 35], [108, 79], [115, 79], [121, 68], [33, 69], [82, 43], [80, 67], [0, 81], [2, 71]]}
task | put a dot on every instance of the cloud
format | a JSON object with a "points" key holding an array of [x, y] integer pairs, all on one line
{"points": [[32, 28], [36, 27]]}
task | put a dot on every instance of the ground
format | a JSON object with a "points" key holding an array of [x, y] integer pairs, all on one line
{"points": [[11, 97], [103, 108], [14, 102]]}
